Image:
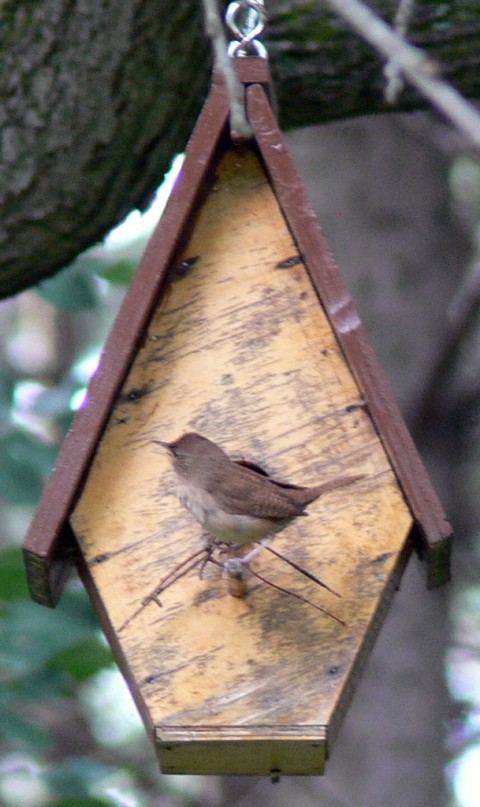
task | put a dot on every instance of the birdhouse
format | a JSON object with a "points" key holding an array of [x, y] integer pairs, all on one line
{"points": [[238, 326]]}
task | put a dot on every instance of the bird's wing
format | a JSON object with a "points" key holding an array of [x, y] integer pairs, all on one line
{"points": [[264, 499]]}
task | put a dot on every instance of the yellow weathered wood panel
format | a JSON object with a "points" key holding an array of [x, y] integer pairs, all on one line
{"points": [[241, 351]]}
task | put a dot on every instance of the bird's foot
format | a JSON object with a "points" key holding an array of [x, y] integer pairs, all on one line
{"points": [[237, 565], [255, 551], [236, 568]]}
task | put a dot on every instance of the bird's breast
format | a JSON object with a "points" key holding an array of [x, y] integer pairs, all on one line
{"points": [[230, 528]]}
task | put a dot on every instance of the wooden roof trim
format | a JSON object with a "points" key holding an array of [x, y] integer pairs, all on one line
{"points": [[426, 508], [45, 559]]}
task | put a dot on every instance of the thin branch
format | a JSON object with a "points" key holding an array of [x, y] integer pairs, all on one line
{"points": [[296, 596], [401, 21], [182, 569], [301, 570], [413, 63]]}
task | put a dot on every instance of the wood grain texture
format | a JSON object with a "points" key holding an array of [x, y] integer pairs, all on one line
{"points": [[46, 561], [240, 350], [433, 532]]}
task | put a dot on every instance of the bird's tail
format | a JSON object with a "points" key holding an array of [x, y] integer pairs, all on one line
{"points": [[305, 496]]}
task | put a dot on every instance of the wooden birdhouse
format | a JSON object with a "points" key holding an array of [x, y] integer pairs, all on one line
{"points": [[238, 326]]}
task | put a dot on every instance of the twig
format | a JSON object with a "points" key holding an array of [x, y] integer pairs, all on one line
{"points": [[297, 596], [413, 63], [186, 566], [391, 71], [239, 125], [180, 571], [301, 570]]}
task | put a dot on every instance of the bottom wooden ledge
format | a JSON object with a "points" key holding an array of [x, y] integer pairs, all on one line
{"points": [[300, 751]]}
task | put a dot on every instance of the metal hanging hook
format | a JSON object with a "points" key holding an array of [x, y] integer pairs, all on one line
{"points": [[246, 21]]}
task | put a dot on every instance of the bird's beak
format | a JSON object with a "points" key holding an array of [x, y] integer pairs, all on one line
{"points": [[162, 443]]}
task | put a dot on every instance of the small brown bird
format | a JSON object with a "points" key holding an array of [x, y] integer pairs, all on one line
{"points": [[234, 500]]}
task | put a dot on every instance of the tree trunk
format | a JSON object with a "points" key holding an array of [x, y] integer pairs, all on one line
{"points": [[98, 97]]}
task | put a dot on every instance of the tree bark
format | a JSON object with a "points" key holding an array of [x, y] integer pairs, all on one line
{"points": [[96, 98]]}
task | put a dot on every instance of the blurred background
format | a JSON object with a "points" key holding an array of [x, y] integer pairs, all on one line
{"points": [[399, 200]]}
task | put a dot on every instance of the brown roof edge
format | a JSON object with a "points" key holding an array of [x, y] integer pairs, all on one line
{"points": [[433, 531], [46, 559]]}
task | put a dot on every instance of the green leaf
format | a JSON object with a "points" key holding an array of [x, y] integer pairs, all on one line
{"points": [[45, 684], [84, 659], [7, 385], [21, 732], [76, 777], [23, 447], [30, 635], [64, 421], [73, 289], [20, 483], [76, 607], [13, 583], [24, 464], [120, 272]]}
